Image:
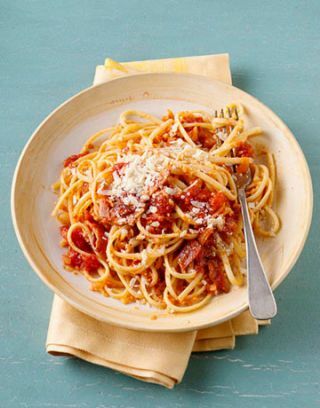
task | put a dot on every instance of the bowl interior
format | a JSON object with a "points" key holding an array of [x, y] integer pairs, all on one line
{"points": [[64, 132]]}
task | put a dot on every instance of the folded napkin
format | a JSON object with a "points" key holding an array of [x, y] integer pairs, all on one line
{"points": [[160, 358]]}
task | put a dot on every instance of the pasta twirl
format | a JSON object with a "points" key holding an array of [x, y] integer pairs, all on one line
{"points": [[149, 207]]}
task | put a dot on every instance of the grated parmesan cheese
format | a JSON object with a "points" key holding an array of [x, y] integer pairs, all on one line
{"points": [[199, 221], [139, 175], [131, 199], [215, 222], [121, 221], [197, 204], [170, 191]]}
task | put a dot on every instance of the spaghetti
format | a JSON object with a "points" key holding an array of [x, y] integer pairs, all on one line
{"points": [[149, 207]]}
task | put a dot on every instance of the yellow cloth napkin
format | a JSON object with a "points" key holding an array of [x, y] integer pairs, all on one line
{"points": [[160, 358]]}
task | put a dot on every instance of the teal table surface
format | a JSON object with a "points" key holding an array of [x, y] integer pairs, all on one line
{"points": [[48, 52]]}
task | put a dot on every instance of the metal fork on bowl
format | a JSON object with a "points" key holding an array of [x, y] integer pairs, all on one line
{"points": [[262, 304]]}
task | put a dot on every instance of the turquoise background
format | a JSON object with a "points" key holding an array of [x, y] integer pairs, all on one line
{"points": [[48, 52]]}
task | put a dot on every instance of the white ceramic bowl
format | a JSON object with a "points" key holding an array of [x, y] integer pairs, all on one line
{"points": [[63, 133]]}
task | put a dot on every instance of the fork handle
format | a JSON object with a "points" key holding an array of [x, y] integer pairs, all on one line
{"points": [[262, 304]]}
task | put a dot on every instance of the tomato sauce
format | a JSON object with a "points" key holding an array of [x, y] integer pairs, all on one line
{"points": [[77, 261], [205, 262], [244, 149], [80, 241], [69, 161], [191, 119], [162, 216], [217, 202], [190, 251], [220, 282], [243, 167]]}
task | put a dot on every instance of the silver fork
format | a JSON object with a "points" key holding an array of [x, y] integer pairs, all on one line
{"points": [[262, 304]]}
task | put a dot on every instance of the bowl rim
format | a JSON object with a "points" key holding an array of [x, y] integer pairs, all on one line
{"points": [[138, 325]]}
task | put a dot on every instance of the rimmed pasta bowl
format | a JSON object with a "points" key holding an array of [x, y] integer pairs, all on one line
{"points": [[65, 131]]}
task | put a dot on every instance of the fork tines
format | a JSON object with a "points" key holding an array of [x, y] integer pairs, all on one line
{"points": [[228, 113]]}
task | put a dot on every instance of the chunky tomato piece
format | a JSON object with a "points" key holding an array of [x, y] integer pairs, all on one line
{"points": [[243, 167], [157, 223], [80, 241], [217, 202], [222, 282], [190, 118], [163, 203], [189, 253], [160, 218], [87, 261], [121, 210], [72, 259], [71, 159], [111, 212], [90, 263], [217, 276], [203, 195], [88, 216], [244, 149], [232, 220], [100, 239], [230, 223], [208, 247], [184, 198], [199, 267], [202, 136], [206, 138], [213, 266], [205, 235], [193, 133], [199, 193]]}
